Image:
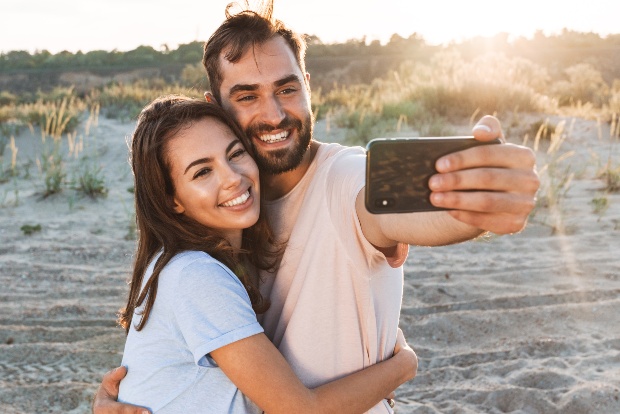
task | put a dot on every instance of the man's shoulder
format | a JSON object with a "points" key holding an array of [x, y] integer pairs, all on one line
{"points": [[340, 170], [331, 150], [334, 158]]}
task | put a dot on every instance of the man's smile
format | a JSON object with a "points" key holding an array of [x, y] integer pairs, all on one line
{"points": [[271, 138]]}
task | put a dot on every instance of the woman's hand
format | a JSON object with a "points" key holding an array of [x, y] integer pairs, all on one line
{"points": [[105, 399], [403, 351]]}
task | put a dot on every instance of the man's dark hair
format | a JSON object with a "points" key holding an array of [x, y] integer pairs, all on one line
{"points": [[243, 30]]}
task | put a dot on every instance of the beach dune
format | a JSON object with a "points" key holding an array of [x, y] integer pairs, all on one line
{"points": [[527, 323]]}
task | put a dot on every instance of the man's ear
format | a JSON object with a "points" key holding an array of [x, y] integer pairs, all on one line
{"points": [[209, 97], [307, 77]]}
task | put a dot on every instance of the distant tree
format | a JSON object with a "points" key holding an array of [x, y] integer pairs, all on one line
{"points": [[63, 59], [187, 53], [97, 58], [17, 59], [141, 55], [40, 56]]}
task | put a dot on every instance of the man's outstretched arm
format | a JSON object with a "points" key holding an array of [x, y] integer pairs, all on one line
{"points": [[502, 184], [107, 394]]}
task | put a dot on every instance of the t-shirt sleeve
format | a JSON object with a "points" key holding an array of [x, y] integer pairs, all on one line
{"points": [[345, 179], [212, 309]]}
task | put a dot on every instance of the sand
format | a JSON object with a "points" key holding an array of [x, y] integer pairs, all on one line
{"points": [[527, 323]]}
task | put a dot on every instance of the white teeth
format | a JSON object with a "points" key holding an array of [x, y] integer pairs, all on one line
{"points": [[236, 201], [270, 139]]}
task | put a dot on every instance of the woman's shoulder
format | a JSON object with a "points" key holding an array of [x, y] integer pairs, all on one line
{"points": [[194, 276], [195, 265], [188, 257]]}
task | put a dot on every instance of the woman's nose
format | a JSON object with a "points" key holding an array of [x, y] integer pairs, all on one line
{"points": [[231, 177]]}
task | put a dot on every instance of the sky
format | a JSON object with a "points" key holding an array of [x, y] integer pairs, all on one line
{"points": [[126, 24]]}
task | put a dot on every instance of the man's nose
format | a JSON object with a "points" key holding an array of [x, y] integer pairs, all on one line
{"points": [[272, 111]]}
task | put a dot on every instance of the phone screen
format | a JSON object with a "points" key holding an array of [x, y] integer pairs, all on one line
{"points": [[398, 170]]}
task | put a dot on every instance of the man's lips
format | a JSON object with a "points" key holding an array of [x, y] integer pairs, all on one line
{"points": [[272, 138]]}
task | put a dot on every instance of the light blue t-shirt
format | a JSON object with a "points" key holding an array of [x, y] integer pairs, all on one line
{"points": [[200, 306]]}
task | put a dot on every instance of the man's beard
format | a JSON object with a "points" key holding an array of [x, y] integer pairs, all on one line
{"points": [[285, 159]]}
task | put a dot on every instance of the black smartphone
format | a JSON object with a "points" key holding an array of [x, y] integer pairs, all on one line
{"points": [[398, 170]]}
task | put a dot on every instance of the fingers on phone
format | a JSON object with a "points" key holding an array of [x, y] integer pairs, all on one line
{"points": [[500, 156], [484, 202], [487, 179]]}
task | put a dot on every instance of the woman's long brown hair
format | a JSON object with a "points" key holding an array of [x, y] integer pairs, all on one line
{"points": [[160, 228]]}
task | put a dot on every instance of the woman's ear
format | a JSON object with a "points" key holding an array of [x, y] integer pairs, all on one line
{"points": [[177, 207]]}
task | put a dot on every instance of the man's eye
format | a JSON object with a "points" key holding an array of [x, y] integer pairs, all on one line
{"points": [[288, 91], [246, 98]]}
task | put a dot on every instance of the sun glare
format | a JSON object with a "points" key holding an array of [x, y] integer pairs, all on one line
{"points": [[445, 21], [126, 25]]}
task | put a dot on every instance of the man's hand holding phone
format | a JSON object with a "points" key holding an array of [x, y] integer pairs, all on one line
{"points": [[503, 179], [489, 187]]}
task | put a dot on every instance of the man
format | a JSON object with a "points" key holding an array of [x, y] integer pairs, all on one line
{"points": [[335, 300]]}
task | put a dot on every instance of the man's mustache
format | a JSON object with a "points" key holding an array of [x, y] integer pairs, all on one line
{"points": [[261, 128]]}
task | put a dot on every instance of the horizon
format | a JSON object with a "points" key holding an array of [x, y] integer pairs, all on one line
{"points": [[124, 26]]}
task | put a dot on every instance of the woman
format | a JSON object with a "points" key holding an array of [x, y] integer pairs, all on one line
{"points": [[194, 343]]}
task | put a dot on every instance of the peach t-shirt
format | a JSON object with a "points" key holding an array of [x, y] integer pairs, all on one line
{"points": [[335, 300]]}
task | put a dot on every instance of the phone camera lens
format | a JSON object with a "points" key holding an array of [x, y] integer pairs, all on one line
{"points": [[384, 202]]}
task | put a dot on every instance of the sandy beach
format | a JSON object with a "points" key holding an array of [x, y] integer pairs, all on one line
{"points": [[527, 323]]}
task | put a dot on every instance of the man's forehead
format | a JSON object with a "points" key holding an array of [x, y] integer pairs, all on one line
{"points": [[259, 62]]}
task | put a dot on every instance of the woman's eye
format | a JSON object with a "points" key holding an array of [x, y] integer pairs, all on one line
{"points": [[238, 153], [202, 172]]}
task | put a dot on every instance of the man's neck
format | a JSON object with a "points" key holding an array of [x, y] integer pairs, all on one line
{"points": [[275, 186]]}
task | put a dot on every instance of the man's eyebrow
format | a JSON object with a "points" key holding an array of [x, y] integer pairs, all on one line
{"points": [[249, 87], [242, 87], [209, 159], [287, 79]]}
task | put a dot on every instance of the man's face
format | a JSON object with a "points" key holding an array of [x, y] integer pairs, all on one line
{"points": [[267, 94]]}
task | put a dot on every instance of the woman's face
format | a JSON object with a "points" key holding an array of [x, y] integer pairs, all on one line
{"points": [[215, 180]]}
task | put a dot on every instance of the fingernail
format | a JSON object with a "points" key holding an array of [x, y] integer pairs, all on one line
{"points": [[437, 198], [482, 127], [434, 183], [443, 164]]}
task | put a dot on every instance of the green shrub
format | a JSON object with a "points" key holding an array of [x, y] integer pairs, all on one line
{"points": [[89, 180], [29, 229]]}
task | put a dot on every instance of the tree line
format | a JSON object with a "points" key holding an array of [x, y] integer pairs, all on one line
{"points": [[191, 53]]}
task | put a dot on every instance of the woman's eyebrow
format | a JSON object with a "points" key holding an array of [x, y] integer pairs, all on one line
{"points": [[209, 159], [198, 161]]}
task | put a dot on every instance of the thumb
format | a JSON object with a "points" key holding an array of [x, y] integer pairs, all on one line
{"points": [[488, 128]]}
